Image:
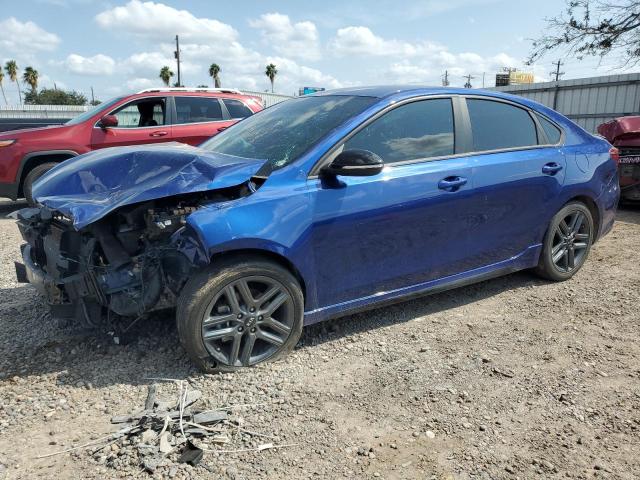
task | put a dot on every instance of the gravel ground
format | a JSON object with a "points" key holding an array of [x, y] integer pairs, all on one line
{"points": [[510, 378]]}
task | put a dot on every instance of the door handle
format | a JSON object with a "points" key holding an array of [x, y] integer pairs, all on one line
{"points": [[159, 133], [452, 184], [551, 168]]}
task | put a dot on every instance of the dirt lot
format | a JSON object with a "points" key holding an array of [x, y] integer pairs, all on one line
{"points": [[511, 378]]}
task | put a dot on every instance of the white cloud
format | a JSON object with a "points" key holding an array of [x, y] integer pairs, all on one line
{"points": [[359, 40], [291, 76], [147, 63], [419, 62], [97, 65], [25, 38], [299, 40], [157, 20], [137, 84]]}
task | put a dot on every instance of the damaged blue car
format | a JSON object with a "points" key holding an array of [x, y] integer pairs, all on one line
{"points": [[315, 208]]}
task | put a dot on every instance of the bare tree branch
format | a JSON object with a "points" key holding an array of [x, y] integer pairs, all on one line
{"points": [[593, 28]]}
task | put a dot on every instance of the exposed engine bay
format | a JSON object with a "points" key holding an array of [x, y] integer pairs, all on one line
{"points": [[133, 261]]}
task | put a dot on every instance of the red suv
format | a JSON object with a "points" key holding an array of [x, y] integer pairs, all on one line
{"points": [[150, 116]]}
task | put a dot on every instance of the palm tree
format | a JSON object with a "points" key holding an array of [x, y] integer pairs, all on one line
{"points": [[30, 77], [165, 75], [271, 72], [214, 70], [2, 88], [11, 67]]}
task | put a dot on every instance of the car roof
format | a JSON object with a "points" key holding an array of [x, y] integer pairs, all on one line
{"points": [[384, 91], [408, 91], [189, 93]]}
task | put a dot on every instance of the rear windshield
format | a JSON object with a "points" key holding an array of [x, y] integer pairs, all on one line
{"points": [[282, 133]]}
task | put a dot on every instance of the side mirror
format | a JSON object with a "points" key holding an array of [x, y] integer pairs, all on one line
{"points": [[108, 121], [355, 163]]}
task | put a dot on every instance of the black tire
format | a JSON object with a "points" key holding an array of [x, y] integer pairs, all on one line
{"points": [[209, 289], [565, 247], [32, 176]]}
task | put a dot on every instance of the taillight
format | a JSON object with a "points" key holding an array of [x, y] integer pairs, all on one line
{"points": [[614, 153]]}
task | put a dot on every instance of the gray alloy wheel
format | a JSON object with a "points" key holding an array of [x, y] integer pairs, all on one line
{"points": [[571, 240], [567, 242], [240, 313], [248, 321]]}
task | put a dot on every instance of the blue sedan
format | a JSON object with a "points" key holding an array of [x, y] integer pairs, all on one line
{"points": [[315, 208]]}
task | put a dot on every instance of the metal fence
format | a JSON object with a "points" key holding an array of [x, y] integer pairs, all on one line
{"points": [[587, 101], [70, 111], [42, 111]]}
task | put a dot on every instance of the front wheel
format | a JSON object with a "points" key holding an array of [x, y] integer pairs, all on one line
{"points": [[567, 242], [240, 313]]}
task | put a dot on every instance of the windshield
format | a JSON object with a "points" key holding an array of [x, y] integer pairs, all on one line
{"points": [[282, 133], [92, 111]]}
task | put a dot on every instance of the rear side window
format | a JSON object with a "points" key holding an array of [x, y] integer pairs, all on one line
{"points": [[553, 132], [413, 131], [497, 125], [198, 109], [237, 109]]}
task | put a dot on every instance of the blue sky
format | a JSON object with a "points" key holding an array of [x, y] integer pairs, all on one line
{"points": [[120, 46]]}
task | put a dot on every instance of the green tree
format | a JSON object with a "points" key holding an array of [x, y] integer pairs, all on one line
{"points": [[50, 96], [30, 77], [165, 75], [2, 87], [593, 28], [214, 72], [11, 67], [271, 72]]}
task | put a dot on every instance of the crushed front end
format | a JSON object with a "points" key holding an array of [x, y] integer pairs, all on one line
{"points": [[130, 263], [111, 237]]}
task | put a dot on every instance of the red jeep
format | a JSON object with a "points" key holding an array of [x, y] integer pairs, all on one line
{"points": [[624, 134], [150, 116]]}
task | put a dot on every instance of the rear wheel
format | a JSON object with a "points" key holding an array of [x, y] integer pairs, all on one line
{"points": [[567, 242], [239, 314], [32, 176]]}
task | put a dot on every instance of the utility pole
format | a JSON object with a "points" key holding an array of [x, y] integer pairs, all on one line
{"points": [[176, 54], [483, 73], [93, 100], [557, 73], [445, 79], [469, 78]]}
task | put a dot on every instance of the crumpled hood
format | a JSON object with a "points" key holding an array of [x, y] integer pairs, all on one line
{"points": [[90, 186]]}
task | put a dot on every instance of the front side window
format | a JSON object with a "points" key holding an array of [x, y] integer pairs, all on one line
{"points": [[198, 109], [237, 109], [413, 131], [94, 110], [149, 112], [498, 125], [282, 133]]}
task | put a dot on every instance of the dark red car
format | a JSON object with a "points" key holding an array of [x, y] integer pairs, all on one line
{"points": [[624, 134], [150, 116]]}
